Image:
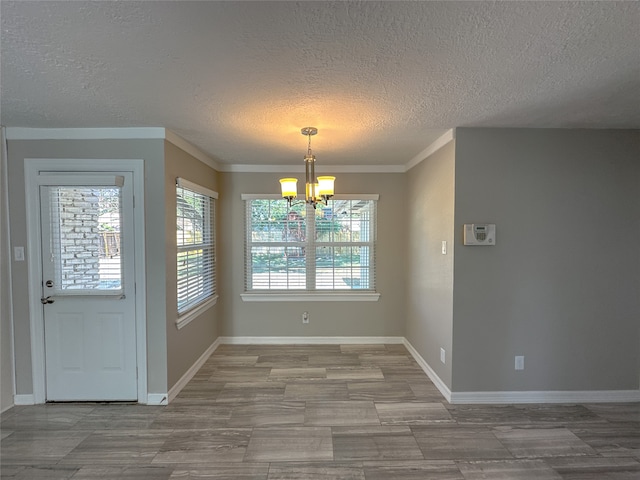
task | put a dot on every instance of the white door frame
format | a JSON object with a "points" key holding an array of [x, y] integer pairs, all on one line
{"points": [[32, 168]]}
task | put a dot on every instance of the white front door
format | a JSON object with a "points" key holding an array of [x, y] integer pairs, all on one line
{"points": [[88, 290]]}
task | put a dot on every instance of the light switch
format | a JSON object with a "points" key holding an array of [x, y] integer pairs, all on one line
{"points": [[444, 247], [18, 254]]}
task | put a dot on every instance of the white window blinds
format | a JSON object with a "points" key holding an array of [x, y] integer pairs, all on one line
{"points": [[196, 261]]}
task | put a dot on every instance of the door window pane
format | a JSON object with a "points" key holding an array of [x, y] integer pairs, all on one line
{"points": [[85, 239]]}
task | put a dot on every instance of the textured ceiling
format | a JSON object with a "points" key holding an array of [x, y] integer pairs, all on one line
{"points": [[380, 80]]}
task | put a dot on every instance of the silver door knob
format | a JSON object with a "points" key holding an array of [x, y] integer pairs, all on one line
{"points": [[45, 300]]}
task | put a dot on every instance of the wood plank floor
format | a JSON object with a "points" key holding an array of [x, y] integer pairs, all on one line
{"points": [[336, 412]]}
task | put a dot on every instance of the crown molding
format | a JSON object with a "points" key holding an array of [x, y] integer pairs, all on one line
{"points": [[132, 133], [241, 168], [440, 142], [23, 133], [195, 152]]}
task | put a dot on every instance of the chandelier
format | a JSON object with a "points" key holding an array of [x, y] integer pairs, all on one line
{"points": [[317, 191]]}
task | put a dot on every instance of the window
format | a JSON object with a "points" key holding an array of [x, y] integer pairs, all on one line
{"points": [[84, 239], [196, 244], [300, 250]]}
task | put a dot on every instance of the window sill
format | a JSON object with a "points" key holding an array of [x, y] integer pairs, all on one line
{"points": [[192, 314], [310, 297]]}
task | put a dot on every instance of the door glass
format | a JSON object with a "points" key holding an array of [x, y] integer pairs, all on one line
{"points": [[85, 239]]}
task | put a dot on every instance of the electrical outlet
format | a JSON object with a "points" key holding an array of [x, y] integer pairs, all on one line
{"points": [[18, 254], [519, 362], [444, 247], [305, 317], [442, 355]]}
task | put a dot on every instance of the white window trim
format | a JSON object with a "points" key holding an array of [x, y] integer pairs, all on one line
{"points": [[310, 296], [195, 312], [194, 187]]}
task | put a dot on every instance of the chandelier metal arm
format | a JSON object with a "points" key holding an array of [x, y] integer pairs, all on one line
{"points": [[318, 190]]}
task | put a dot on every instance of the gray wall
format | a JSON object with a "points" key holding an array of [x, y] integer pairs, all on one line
{"points": [[152, 151], [6, 351], [186, 345], [385, 317], [562, 284], [429, 296]]}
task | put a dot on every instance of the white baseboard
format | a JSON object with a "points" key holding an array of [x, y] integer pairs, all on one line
{"points": [[25, 399], [437, 381], [500, 397], [186, 378], [309, 340], [564, 396], [157, 399], [568, 396]]}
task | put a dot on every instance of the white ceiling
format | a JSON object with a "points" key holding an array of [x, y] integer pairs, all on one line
{"points": [[380, 80]]}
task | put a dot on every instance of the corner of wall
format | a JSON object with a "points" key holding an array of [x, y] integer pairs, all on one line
{"points": [[429, 324], [7, 386], [186, 344]]}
